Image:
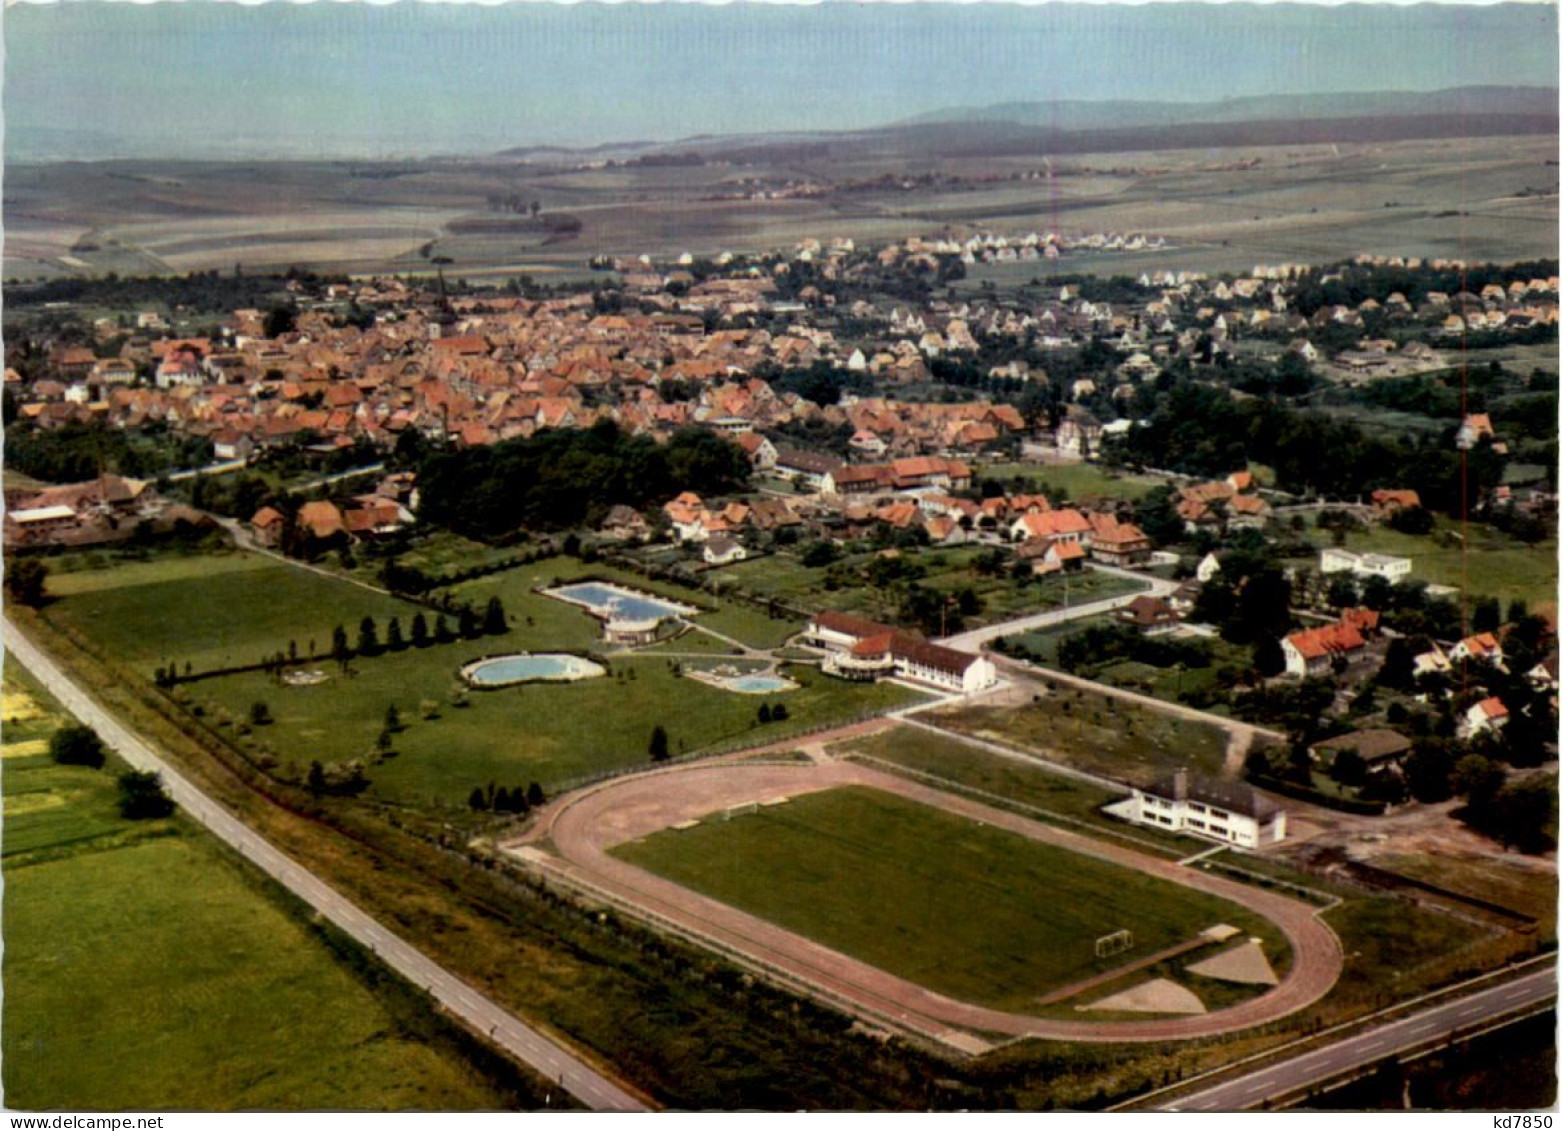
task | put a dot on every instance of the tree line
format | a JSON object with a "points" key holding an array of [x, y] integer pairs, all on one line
{"points": [[567, 477], [1201, 430]]}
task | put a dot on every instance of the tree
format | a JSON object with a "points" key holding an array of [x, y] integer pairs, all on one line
{"points": [[501, 800], [392, 719], [1428, 770], [393, 638], [26, 581], [1268, 656], [1399, 665], [477, 800], [778, 713], [259, 714], [340, 652], [279, 320], [535, 796], [1478, 780], [316, 778], [764, 713], [420, 636], [494, 621], [442, 632], [469, 628], [1524, 814], [141, 796], [1412, 520], [1343, 592], [368, 637], [657, 747], [817, 555], [77, 746], [1348, 768], [1487, 615]]}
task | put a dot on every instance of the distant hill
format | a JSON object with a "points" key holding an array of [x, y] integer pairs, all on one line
{"points": [[1057, 128], [1080, 115]]}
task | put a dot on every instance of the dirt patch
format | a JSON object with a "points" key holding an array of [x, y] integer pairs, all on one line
{"points": [[1246, 965], [1161, 995]]}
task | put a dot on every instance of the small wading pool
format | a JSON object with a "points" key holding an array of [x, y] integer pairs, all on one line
{"points": [[502, 671], [758, 684]]}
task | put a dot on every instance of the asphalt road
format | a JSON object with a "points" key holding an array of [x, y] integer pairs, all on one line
{"points": [[973, 641], [526, 1044], [1385, 1040]]}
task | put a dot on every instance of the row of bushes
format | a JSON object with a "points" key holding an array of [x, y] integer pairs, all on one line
{"points": [[1317, 797]]}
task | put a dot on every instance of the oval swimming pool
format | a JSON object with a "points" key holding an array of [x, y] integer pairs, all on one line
{"points": [[758, 684], [501, 671]]}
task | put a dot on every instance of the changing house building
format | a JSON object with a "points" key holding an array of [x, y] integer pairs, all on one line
{"points": [[1225, 811]]}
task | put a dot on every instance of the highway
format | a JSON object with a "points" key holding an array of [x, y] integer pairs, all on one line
{"points": [[1337, 1059], [542, 1053]]}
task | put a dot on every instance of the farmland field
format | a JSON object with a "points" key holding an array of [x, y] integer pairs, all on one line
{"points": [[977, 913], [1123, 741], [1296, 203], [134, 950]]}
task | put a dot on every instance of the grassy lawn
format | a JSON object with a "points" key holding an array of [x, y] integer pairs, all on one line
{"points": [[212, 611], [785, 578], [218, 610], [136, 950], [1078, 479], [437, 553], [978, 913], [1529, 891], [1395, 949], [1496, 565], [753, 627], [948, 758], [548, 733], [1123, 741]]}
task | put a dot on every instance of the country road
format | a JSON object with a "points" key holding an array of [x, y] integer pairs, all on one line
{"points": [[1429, 1025], [526, 1044]]}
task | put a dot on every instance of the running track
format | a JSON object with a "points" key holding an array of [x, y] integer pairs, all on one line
{"points": [[584, 826]]}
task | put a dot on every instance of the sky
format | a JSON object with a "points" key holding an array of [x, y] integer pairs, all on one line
{"points": [[87, 78]]}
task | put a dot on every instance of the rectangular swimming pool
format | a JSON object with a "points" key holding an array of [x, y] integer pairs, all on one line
{"points": [[619, 603]]}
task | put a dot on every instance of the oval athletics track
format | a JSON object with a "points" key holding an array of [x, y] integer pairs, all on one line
{"points": [[583, 827]]}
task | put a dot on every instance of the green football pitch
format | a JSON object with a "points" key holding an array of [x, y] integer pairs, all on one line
{"points": [[978, 913]]}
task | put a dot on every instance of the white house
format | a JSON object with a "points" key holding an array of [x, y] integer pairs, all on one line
{"points": [[1489, 714], [1209, 566], [722, 550], [1312, 651], [1387, 566], [862, 649], [1229, 812], [1483, 646]]}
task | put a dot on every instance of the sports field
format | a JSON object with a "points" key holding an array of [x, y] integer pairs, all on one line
{"points": [[980, 914], [137, 951]]}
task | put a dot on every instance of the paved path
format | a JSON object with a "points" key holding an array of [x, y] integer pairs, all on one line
{"points": [[1337, 1059], [974, 640], [210, 469], [526, 1044], [584, 826], [245, 540]]}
